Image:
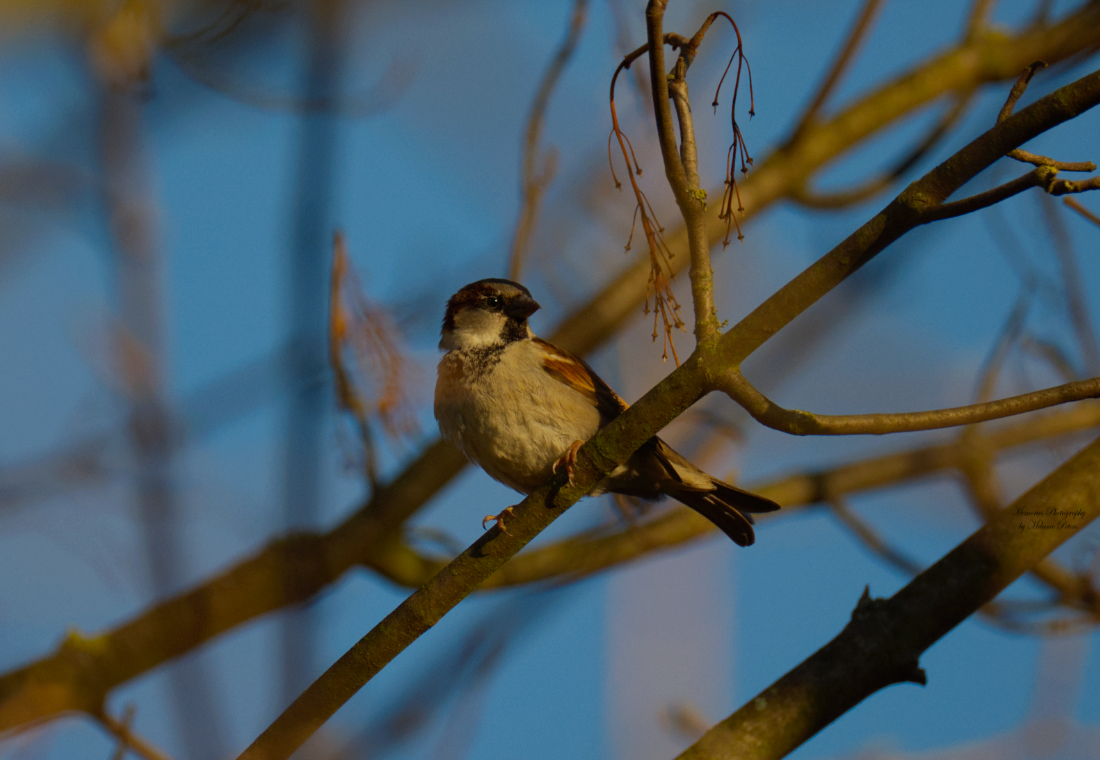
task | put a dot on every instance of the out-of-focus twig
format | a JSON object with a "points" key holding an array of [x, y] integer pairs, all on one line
{"points": [[871, 539], [120, 51], [855, 38], [1073, 204], [193, 417], [311, 196], [371, 375], [1007, 338], [237, 24], [977, 18], [876, 184], [535, 180], [624, 45], [1073, 287], [127, 738]]}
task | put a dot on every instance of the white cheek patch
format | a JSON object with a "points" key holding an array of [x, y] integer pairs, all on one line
{"points": [[474, 328]]}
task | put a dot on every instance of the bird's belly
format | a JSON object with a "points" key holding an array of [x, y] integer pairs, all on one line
{"points": [[514, 432]]}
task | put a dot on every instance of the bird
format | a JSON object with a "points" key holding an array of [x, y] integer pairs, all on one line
{"points": [[520, 408]]}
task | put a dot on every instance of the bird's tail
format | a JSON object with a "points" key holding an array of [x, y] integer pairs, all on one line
{"points": [[727, 507]]}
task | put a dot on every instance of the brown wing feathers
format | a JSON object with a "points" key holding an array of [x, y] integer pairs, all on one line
{"points": [[714, 499], [580, 377]]}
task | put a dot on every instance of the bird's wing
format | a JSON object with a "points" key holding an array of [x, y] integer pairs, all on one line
{"points": [[571, 370]]}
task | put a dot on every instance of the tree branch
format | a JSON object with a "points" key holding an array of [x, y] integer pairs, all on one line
{"points": [[798, 422], [782, 174], [915, 206], [883, 642], [682, 167]]}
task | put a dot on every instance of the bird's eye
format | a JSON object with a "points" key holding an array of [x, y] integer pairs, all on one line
{"points": [[494, 302]]}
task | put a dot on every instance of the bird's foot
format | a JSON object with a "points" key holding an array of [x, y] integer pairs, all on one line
{"points": [[568, 460], [498, 519]]}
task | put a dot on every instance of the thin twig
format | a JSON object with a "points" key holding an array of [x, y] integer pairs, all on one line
{"points": [[1008, 337], [977, 18], [1052, 355], [660, 269], [840, 63], [1040, 176], [624, 46], [1022, 155], [798, 422], [127, 738], [681, 166], [871, 539], [1073, 287], [534, 180], [1073, 204], [874, 185]]}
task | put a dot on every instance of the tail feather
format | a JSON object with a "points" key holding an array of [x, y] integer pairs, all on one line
{"points": [[727, 506], [745, 501], [734, 524]]}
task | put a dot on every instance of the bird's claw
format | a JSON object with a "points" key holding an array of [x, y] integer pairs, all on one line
{"points": [[498, 519], [568, 460]]}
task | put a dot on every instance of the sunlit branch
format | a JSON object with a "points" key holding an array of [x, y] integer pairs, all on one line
{"points": [[798, 422], [682, 166]]}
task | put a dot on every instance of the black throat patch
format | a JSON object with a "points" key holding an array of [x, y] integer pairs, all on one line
{"points": [[479, 361], [514, 330]]}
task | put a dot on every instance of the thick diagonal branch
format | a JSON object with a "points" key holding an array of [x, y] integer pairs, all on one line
{"points": [[883, 643]]}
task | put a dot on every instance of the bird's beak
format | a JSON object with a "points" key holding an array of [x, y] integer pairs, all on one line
{"points": [[522, 307]]}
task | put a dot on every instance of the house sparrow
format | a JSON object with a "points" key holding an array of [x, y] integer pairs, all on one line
{"points": [[520, 407]]}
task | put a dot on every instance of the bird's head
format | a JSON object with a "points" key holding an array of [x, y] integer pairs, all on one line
{"points": [[487, 313]]}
